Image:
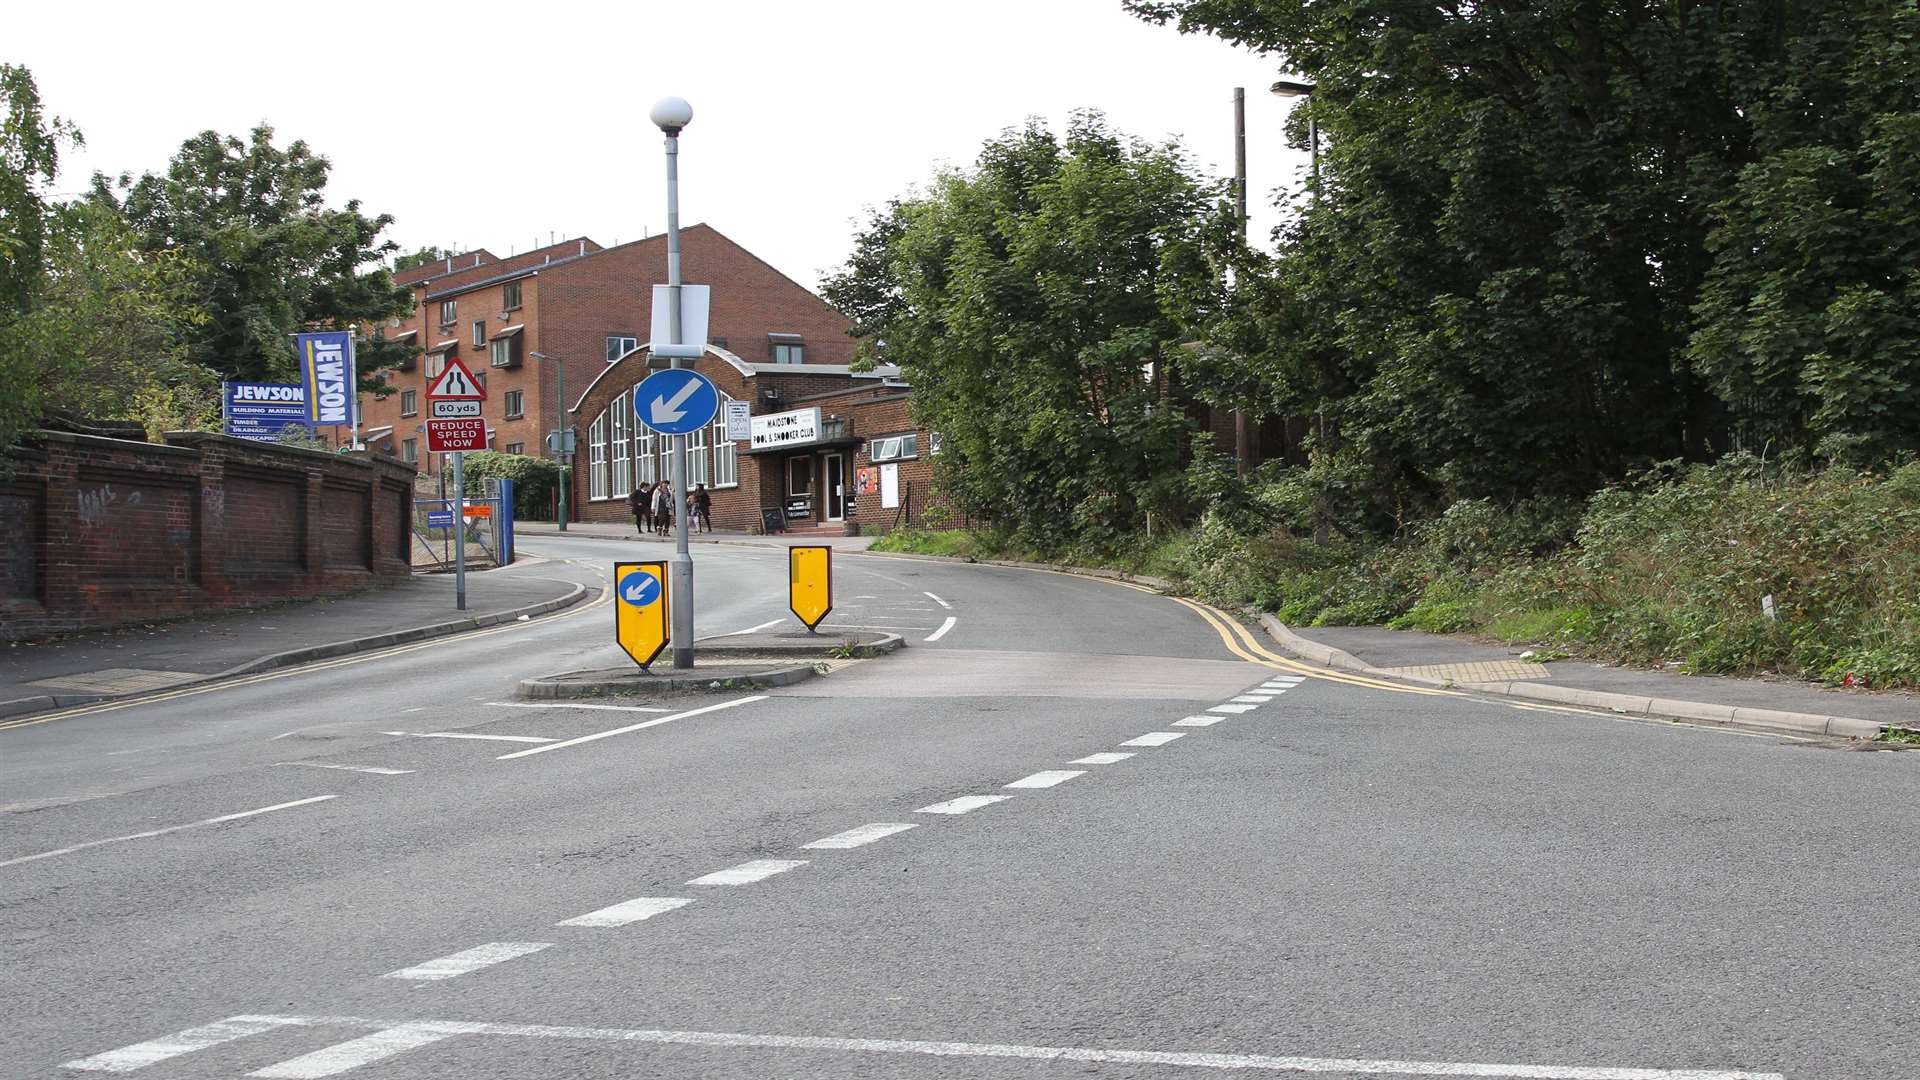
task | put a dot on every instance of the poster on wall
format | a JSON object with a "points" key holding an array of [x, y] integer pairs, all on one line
{"points": [[866, 480], [889, 486]]}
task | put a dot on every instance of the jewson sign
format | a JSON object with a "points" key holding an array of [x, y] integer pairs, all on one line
{"points": [[262, 411], [326, 370]]}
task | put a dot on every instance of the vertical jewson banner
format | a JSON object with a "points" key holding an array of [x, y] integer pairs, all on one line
{"points": [[326, 369]]}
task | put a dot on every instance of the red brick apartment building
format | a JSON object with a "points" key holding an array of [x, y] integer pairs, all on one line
{"points": [[564, 313]]}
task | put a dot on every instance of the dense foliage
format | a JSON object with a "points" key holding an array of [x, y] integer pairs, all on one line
{"points": [[536, 480], [1028, 301]]}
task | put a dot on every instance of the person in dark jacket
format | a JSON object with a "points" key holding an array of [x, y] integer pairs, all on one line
{"points": [[702, 508], [641, 503]]}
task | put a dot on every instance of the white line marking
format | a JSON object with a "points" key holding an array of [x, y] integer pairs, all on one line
{"points": [[748, 872], [480, 956], [858, 837], [1048, 778], [632, 727], [748, 630], [963, 804], [1286, 680], [942, 632], [1198, 721], [374, 769], [168, 829], [1253, 699], [872, 626], [1155, 738], [1105, 758], [465, 735], [939, 601], [141, 1055], [628, 911], [356, 1052], [1271, 1063], [576, 705], [1231, 710]]}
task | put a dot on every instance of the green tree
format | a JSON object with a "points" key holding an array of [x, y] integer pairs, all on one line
{"points": [[1029, 300], [275, 258], [424, 255], [29, 160]]}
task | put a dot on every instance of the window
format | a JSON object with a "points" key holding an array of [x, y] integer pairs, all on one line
{"points": [[597, 458], [646, 455], [619, 345], [933, 443], [436, 363], [516, 448], [449, 311], [896, 448], [409, 402], [726, 460], [516, 402], [410, 451], [501, 353], [479, 332], [510, 295], [789, 352], [619, 435], [697, 458]]}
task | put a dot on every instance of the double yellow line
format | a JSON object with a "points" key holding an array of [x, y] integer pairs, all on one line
{"points": [[606, 595], [1241, 642]]}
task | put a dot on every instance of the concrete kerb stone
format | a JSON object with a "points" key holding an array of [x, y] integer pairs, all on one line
{"points": [[27, 706], [617, 682], [1628, 704]]}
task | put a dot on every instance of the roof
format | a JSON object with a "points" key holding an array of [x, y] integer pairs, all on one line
{"points": [[525, 264], [427, 271]]}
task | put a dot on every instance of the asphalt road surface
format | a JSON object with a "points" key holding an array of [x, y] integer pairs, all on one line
{"points": [[1075, 830]]}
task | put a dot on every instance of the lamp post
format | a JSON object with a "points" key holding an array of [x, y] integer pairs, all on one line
{"points": [[1287, 89], [670, 115]]}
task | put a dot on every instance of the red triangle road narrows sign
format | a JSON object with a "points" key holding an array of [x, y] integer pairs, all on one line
{"points": [[458, 383]]}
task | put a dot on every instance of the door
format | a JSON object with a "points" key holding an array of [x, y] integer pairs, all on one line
{"points": [[834, 479]]}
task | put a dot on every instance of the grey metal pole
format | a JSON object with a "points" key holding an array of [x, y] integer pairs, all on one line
{"points": [[680, 566], [566, 481], [459, 534]]}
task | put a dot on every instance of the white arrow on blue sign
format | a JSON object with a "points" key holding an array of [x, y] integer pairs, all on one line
{"points": [[677, 401], [639, 588]]}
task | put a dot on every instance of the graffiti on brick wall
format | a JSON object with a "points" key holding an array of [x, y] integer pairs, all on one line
{"points": [[97, 503]]}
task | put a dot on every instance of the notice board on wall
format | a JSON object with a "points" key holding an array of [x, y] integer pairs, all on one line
{"points": [[889, 486]]}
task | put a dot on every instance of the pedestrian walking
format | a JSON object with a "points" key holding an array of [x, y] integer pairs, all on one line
{"points": [[702, 508], [641, 503], [663, 508]]}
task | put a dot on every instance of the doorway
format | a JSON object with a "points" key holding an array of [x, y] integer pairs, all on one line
{"points": [[834, 479]]}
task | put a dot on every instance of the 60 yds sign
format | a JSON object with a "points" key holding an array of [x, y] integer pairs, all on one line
{"points": [[444, 436]]}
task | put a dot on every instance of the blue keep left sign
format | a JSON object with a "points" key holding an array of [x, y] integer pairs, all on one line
{"points": [[639, 588], [677, 401]]}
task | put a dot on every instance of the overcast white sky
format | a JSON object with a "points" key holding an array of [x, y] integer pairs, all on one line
{"points": [[491, 125]]}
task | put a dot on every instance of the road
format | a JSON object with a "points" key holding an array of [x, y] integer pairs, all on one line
{"points": [[1047, 843]]}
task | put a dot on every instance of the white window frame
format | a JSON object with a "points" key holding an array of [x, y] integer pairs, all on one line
{"points": [[449, 312], [933, 443], [516, 448], [631, 343], [646, 456], [436, 364], [618, 433], [797, 349], [410, 451], [479, 332], [726, 452], [893, 448], [409, 403], [515, 402], [500, 353], [597, 458]]}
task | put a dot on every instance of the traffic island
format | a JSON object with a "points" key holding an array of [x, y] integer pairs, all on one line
{"points": [[731, 664]]}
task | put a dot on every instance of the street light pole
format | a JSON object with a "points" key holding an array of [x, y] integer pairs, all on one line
{"points": [[670, 115]]}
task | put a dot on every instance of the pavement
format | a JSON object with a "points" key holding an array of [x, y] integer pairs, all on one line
{"points": [[1469, 662], [101, 665], [606, 531], [1075, 830]]}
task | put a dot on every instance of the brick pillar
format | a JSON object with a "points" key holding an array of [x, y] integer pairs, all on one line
{"points": [[62, 510], [312, 553], [210, 521]]}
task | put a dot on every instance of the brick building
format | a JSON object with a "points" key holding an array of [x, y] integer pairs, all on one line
{"points": [[832, 450], [548, 322]]}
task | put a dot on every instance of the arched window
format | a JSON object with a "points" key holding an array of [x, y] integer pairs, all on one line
{"points": [[621, 420], [597, 458]]}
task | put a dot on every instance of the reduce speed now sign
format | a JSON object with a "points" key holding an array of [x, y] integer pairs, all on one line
{"points": [[446, 436]]}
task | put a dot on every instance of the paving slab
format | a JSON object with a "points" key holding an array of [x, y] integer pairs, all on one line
{"points": [[1399, 649], [75, 668]]}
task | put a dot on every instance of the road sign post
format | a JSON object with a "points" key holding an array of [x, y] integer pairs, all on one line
{"points": [[810, 583], [641, 612], [453, 432], [675, 402]]}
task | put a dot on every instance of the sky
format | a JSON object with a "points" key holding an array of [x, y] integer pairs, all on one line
{"points": [[498, 125]]}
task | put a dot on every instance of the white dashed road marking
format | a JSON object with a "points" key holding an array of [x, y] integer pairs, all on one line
{"points": [[1253, 699], [858, 837], [963, 804], [1106, 758], [628, 911], [939, 601], [1234, 710], [1047, 779], [460, 963], [467, 735], [1198, 721], [168, 829], [576, 705], [391, 1038], [374, 769], [942, 632], [748, 872], [1154, 738]]}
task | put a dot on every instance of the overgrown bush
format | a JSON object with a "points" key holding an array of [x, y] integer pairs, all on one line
{"points": [[536, 481]]}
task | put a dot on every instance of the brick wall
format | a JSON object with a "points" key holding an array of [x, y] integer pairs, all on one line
{"points": [[96, 532]]}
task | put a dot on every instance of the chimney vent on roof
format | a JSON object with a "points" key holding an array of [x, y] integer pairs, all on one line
{"points": [[449, 264], [583, 246], [476, 258]]}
